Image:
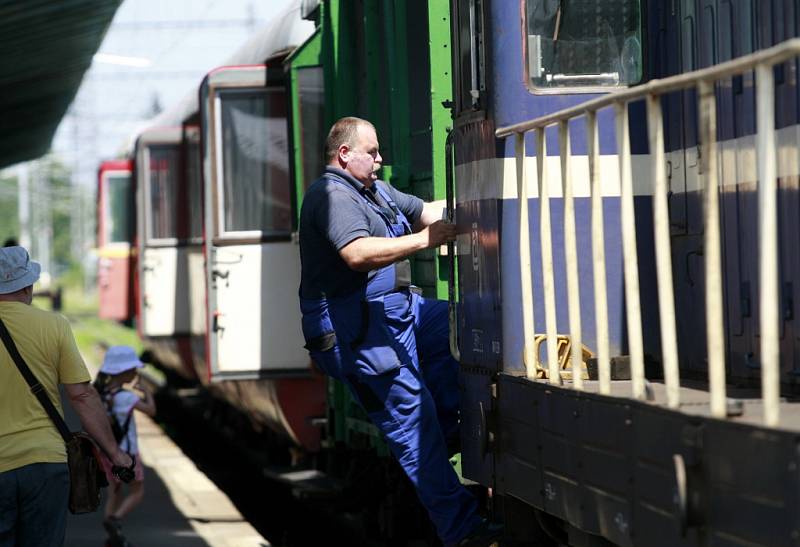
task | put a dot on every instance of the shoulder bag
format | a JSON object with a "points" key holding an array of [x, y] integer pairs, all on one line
{"points": [[86, 476]]}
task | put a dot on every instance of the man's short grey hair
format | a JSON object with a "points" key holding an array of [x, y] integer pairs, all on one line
{"points": [[344, 131]]}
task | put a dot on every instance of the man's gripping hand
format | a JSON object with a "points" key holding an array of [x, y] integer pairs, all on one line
{"points": [[439, 233]]}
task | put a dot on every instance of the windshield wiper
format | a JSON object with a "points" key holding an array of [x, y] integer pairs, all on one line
{"points": [[558, 21]]}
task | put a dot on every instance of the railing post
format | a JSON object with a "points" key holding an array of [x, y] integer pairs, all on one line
{"points": [[769, 296], [666, 296], [712, 251], [547, 258], [598, 256], [571, 258], [528, 326], [629, 253]]}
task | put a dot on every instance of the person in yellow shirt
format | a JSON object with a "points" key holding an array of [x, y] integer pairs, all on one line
{"points": [[34, 480]]}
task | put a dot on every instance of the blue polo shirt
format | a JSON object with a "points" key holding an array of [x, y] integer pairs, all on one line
{"points": [[332, 216]]}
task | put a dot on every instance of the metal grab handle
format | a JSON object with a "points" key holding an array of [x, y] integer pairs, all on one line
{"points": [[452, 312]]}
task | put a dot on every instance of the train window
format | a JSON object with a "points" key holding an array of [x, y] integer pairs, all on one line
{"points": [[163, 186], [118, 220], [688, 45], [709, 37], [583, 43], [195, 189], [746, 28], [468, 45], [255, 159], [726, 34], [311, 100]]}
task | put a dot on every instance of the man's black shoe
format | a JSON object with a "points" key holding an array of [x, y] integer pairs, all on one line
{"points": [[484, 534]]}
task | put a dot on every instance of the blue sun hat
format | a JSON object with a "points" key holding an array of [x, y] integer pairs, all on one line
{"points": [[119, 359], [17, 270]]}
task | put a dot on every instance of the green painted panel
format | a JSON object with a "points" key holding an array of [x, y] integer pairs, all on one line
{"points": [[338, 55], [305, 56], [389, 61], [441, 92]]}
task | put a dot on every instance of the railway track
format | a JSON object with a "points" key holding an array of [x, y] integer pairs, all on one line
{"points": [[289, 505]]}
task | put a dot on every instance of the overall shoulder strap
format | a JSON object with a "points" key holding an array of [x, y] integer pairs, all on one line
{"points": [[384, 193], [37, 388], [382, 190]]}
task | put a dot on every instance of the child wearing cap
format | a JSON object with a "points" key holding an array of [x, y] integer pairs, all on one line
{"points": [[119, 368]]}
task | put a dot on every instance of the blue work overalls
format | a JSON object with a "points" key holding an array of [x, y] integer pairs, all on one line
{"points": [[391, 349]]}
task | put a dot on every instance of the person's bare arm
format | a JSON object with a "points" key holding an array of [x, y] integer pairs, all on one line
{"points": [[369, 253], [87, 404], [431, 212], [145, 403]]}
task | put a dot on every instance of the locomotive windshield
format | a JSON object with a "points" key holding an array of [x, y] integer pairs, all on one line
{"points": [[583, 43], [117, 208]]}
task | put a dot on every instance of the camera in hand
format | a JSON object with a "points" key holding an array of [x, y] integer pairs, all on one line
{"points": [[125, 474]]}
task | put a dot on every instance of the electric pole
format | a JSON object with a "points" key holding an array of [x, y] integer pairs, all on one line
{"points": [[24, 205]]}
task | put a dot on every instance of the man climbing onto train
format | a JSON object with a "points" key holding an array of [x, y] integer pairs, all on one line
{"points": [[366, 325]]}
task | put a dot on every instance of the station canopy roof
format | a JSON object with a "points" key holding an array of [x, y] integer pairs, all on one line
{"points": [[45, 48]]}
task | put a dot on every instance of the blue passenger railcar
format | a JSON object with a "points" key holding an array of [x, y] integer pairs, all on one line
{"points": [[506, 72], [519, 60]]}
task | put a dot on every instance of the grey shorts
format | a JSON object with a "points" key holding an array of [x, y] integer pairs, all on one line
{"points": [[33, 505]]}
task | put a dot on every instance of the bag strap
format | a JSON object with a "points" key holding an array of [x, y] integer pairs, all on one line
{"points": [[126, 426], [37, 388]]}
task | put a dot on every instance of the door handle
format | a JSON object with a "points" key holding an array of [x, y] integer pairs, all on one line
{"points": [[452, 311], [215, 323]]}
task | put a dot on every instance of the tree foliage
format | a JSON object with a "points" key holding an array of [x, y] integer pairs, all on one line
{"points": [[9, 206]]}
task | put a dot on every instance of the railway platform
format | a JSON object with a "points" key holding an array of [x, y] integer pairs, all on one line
{"points": [[182, 507]]}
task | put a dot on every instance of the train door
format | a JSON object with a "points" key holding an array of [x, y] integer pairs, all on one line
{"points": [[667, 62], [163, 309], [115, 225], [191, 266], [253, 259], [733, 26], [677, 50], [780, 24]]}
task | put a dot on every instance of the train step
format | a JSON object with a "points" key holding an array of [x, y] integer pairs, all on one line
{"points": [[309, 484]]}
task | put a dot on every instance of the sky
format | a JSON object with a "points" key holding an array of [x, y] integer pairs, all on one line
{"points": [[179, 41]]}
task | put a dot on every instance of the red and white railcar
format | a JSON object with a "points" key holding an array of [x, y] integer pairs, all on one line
{"points": [[219, 263], [115, 238]]}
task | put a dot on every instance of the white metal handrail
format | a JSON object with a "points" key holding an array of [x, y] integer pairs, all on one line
{"points": [[712, 249], [704, 80], [598, 256], [669, 337], [768, 240], [525, 255], [548, 276], [571, 256]]}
